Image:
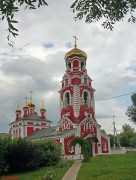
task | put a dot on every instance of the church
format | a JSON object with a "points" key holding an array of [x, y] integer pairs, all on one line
{"points": [[77, 112]]}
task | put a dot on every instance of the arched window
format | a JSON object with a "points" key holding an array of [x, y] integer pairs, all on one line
{"points": [[82, 65], [69, 65], [67, 99], [85, 97]]}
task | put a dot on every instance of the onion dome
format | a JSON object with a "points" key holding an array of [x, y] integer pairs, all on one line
{"points": [[43, 108], [75, 52], [18, 108], [26, 105], [31, 104]]}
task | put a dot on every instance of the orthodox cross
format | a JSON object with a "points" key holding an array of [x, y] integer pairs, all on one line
{"points": [[26, 98], [18, 104], [75, 41], [42, 103], [31, 94]]}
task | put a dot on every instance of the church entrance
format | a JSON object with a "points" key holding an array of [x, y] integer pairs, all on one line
{"points": [[90, 147]]}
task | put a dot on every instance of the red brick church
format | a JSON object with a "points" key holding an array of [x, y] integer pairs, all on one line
{"points": [[77, 112]]}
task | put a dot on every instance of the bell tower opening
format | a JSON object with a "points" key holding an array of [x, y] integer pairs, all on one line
{"points": [[69, 65], [82, 65], [67, 99], [86, 98]]}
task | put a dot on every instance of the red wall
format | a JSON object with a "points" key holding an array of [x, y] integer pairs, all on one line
{"points": [[30, 130], [66, 145], [104, 141]]}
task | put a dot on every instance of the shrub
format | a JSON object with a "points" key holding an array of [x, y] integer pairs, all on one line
{"points": [[20, 155], [50, 175], [65, 162], [4, 143], [49, 152]]}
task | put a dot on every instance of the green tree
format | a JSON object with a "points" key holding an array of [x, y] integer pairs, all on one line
{"points": [[127, 127], [111, 11], [125, 137], [4, 143], [8, 9], [133, 141], [131, 110]]}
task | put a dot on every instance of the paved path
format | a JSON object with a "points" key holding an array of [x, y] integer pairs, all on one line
{"points": [[71, 174]]}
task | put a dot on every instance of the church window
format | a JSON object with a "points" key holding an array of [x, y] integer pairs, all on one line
{"points": [[66, 81], [86, 98], [69, 65], [88, 125], [67, 99], [85, 80], [82, 65], [104, 146]]}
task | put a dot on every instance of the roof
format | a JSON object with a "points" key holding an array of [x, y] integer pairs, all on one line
{"points": [[48, 132], [33, 117], [75, 52]]}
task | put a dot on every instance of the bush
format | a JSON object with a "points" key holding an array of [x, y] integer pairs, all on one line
{"points": [[4, 143], [49, 152], [50, 175], [64, 163], [20, 155]]}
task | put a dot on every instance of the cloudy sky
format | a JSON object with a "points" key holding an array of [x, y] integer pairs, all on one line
{"points": [[36, 62]]}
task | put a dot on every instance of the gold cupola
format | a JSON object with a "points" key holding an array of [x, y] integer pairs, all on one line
{"points": [[26, 105], [43, 107], [75, 52], [18, 110], [31, 104]]}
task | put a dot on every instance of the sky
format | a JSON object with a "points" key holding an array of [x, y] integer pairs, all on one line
{"points": [[36, 63]]}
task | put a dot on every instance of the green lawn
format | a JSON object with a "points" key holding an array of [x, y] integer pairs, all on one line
{"points": [[115, 167], [38, 174]]}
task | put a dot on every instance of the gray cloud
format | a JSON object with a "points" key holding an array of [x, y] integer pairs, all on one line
{"points": [[30, 65]]}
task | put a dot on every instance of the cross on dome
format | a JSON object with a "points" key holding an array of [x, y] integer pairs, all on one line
{"points": [[75, 41]]}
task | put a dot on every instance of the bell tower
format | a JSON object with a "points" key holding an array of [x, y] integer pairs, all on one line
{"points": [[76, 94]]}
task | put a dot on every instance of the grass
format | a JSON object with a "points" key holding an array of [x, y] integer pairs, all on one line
{"points": [[38, 174], [115, 167]]}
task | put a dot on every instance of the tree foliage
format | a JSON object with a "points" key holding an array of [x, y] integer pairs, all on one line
{"points": [[84, 145], [8, 9], [127, 127], [19, 154], [4, 143], [125, 137], [111, 11], [133, 141], [131, 110]]}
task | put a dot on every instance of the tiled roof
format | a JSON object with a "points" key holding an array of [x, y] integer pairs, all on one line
{"points": [[48, 132]]}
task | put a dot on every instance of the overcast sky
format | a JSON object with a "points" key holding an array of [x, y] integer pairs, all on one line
{"points": [[36, 62]]}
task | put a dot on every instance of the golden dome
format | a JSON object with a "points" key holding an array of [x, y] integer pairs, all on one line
{"points": [[43, 108], [31, 104], [18, 110], [26, 107], [75, 52]]}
